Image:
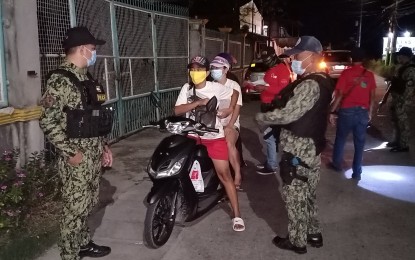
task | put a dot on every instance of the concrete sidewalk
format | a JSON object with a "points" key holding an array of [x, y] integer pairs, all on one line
{"points": [[372, 219]]}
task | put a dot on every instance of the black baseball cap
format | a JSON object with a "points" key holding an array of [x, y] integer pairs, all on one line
{"points": [[78, 36], [304, 43], [405, 51]]}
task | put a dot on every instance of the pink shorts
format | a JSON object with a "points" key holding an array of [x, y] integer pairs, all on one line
{"points": [[217, 148]]}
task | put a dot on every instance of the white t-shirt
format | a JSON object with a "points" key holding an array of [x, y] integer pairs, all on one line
{"points": [[222, 93], [234, 85]]}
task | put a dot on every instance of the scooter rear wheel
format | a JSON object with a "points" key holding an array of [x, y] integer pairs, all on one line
{"points": [[159, 221]]}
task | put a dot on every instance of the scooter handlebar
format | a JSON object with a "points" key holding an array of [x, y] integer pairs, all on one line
{"points": [[195, 126]]}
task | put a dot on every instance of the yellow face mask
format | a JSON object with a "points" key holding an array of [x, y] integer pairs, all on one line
{"points": [[198, 76]]}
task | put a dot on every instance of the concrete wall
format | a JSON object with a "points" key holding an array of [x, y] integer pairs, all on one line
{"points": [[22, 52], [196, 38], [21, 55]]}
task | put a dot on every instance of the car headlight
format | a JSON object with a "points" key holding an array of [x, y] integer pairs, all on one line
{"points": [[322, 65], [177, 166]]}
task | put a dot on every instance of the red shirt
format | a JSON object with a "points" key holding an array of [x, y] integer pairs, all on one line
{"points": [[277, 77], [356, 85]]}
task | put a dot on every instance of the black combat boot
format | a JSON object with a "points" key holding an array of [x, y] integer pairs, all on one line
{"points": [[284, 243], [94, 250], [315, 240]]}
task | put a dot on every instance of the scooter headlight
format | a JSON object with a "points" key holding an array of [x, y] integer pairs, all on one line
{"points": [[177, 166]]}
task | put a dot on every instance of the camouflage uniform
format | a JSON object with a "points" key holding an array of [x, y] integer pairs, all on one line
{"points": [[401, 104], [299, 196], [80, 183]]}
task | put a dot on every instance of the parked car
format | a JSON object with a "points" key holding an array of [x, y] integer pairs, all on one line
{"points": [[335, 61], [254, 73]]}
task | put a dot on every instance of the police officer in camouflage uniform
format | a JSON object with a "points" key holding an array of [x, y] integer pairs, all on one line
{"points": [[302, 113], [82, 151], [402, 91]]}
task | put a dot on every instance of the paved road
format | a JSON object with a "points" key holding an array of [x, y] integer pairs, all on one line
{"points": [[372, 219]]}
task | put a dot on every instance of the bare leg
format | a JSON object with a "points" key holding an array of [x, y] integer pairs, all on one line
{"points": [[224, 174], [234, 156]]}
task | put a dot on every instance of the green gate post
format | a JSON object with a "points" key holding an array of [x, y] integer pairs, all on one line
{"points": [[115, 51], [156, 81], [72, 12]]}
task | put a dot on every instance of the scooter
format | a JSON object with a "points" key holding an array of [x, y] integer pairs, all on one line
{"points": [[185, 184]]}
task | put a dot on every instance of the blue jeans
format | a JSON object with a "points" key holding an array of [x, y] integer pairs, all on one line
{"points": [[353, 120], [271, 150]]}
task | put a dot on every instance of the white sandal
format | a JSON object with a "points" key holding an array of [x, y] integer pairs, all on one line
{"points": [[238, 222]]}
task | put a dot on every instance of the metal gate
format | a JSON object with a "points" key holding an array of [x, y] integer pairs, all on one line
{"points": [[143, 63], [215, 43]]}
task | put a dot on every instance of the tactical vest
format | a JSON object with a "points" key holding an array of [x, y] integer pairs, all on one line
{"points": [[398, 84], [313, 123], [92, 120]]}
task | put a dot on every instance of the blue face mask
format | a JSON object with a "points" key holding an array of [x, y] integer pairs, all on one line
{"points": [[93, 59], [216, 74], [297, 67]]}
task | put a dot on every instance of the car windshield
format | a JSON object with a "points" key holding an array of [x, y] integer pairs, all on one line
{"points": [[337, 56]]}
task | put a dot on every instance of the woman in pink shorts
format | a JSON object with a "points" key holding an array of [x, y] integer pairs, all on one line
{"points": [[214, 142]]}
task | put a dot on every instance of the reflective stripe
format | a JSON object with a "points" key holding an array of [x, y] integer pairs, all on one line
{"points": [[20, 115]]}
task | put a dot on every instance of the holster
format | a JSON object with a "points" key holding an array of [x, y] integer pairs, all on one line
{"points": [[288, 168]]}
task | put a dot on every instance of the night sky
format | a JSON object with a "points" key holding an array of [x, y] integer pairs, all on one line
{"points": [[331, 21], [334, 21]]}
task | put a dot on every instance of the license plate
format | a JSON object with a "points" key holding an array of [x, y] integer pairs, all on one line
{"points": [[339, 67]]}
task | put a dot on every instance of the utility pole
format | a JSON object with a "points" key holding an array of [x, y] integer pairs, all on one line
{"points": [[394, 22], [359, 35], [252, 16]]}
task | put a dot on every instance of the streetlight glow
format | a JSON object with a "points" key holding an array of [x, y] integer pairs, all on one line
{"points": [[390, 35], [407, 34]]}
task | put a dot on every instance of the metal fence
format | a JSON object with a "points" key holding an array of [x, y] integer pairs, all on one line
{"points": [[143, 63], [144, 58]]}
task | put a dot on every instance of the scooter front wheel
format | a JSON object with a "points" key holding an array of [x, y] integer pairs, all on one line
{"points": [[159, 221]]}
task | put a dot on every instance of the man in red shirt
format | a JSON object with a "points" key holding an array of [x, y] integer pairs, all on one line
{"points": [[277, 77], [353, 107]]}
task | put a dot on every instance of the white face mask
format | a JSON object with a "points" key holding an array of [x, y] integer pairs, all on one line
{"points": [[297, 66]]}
